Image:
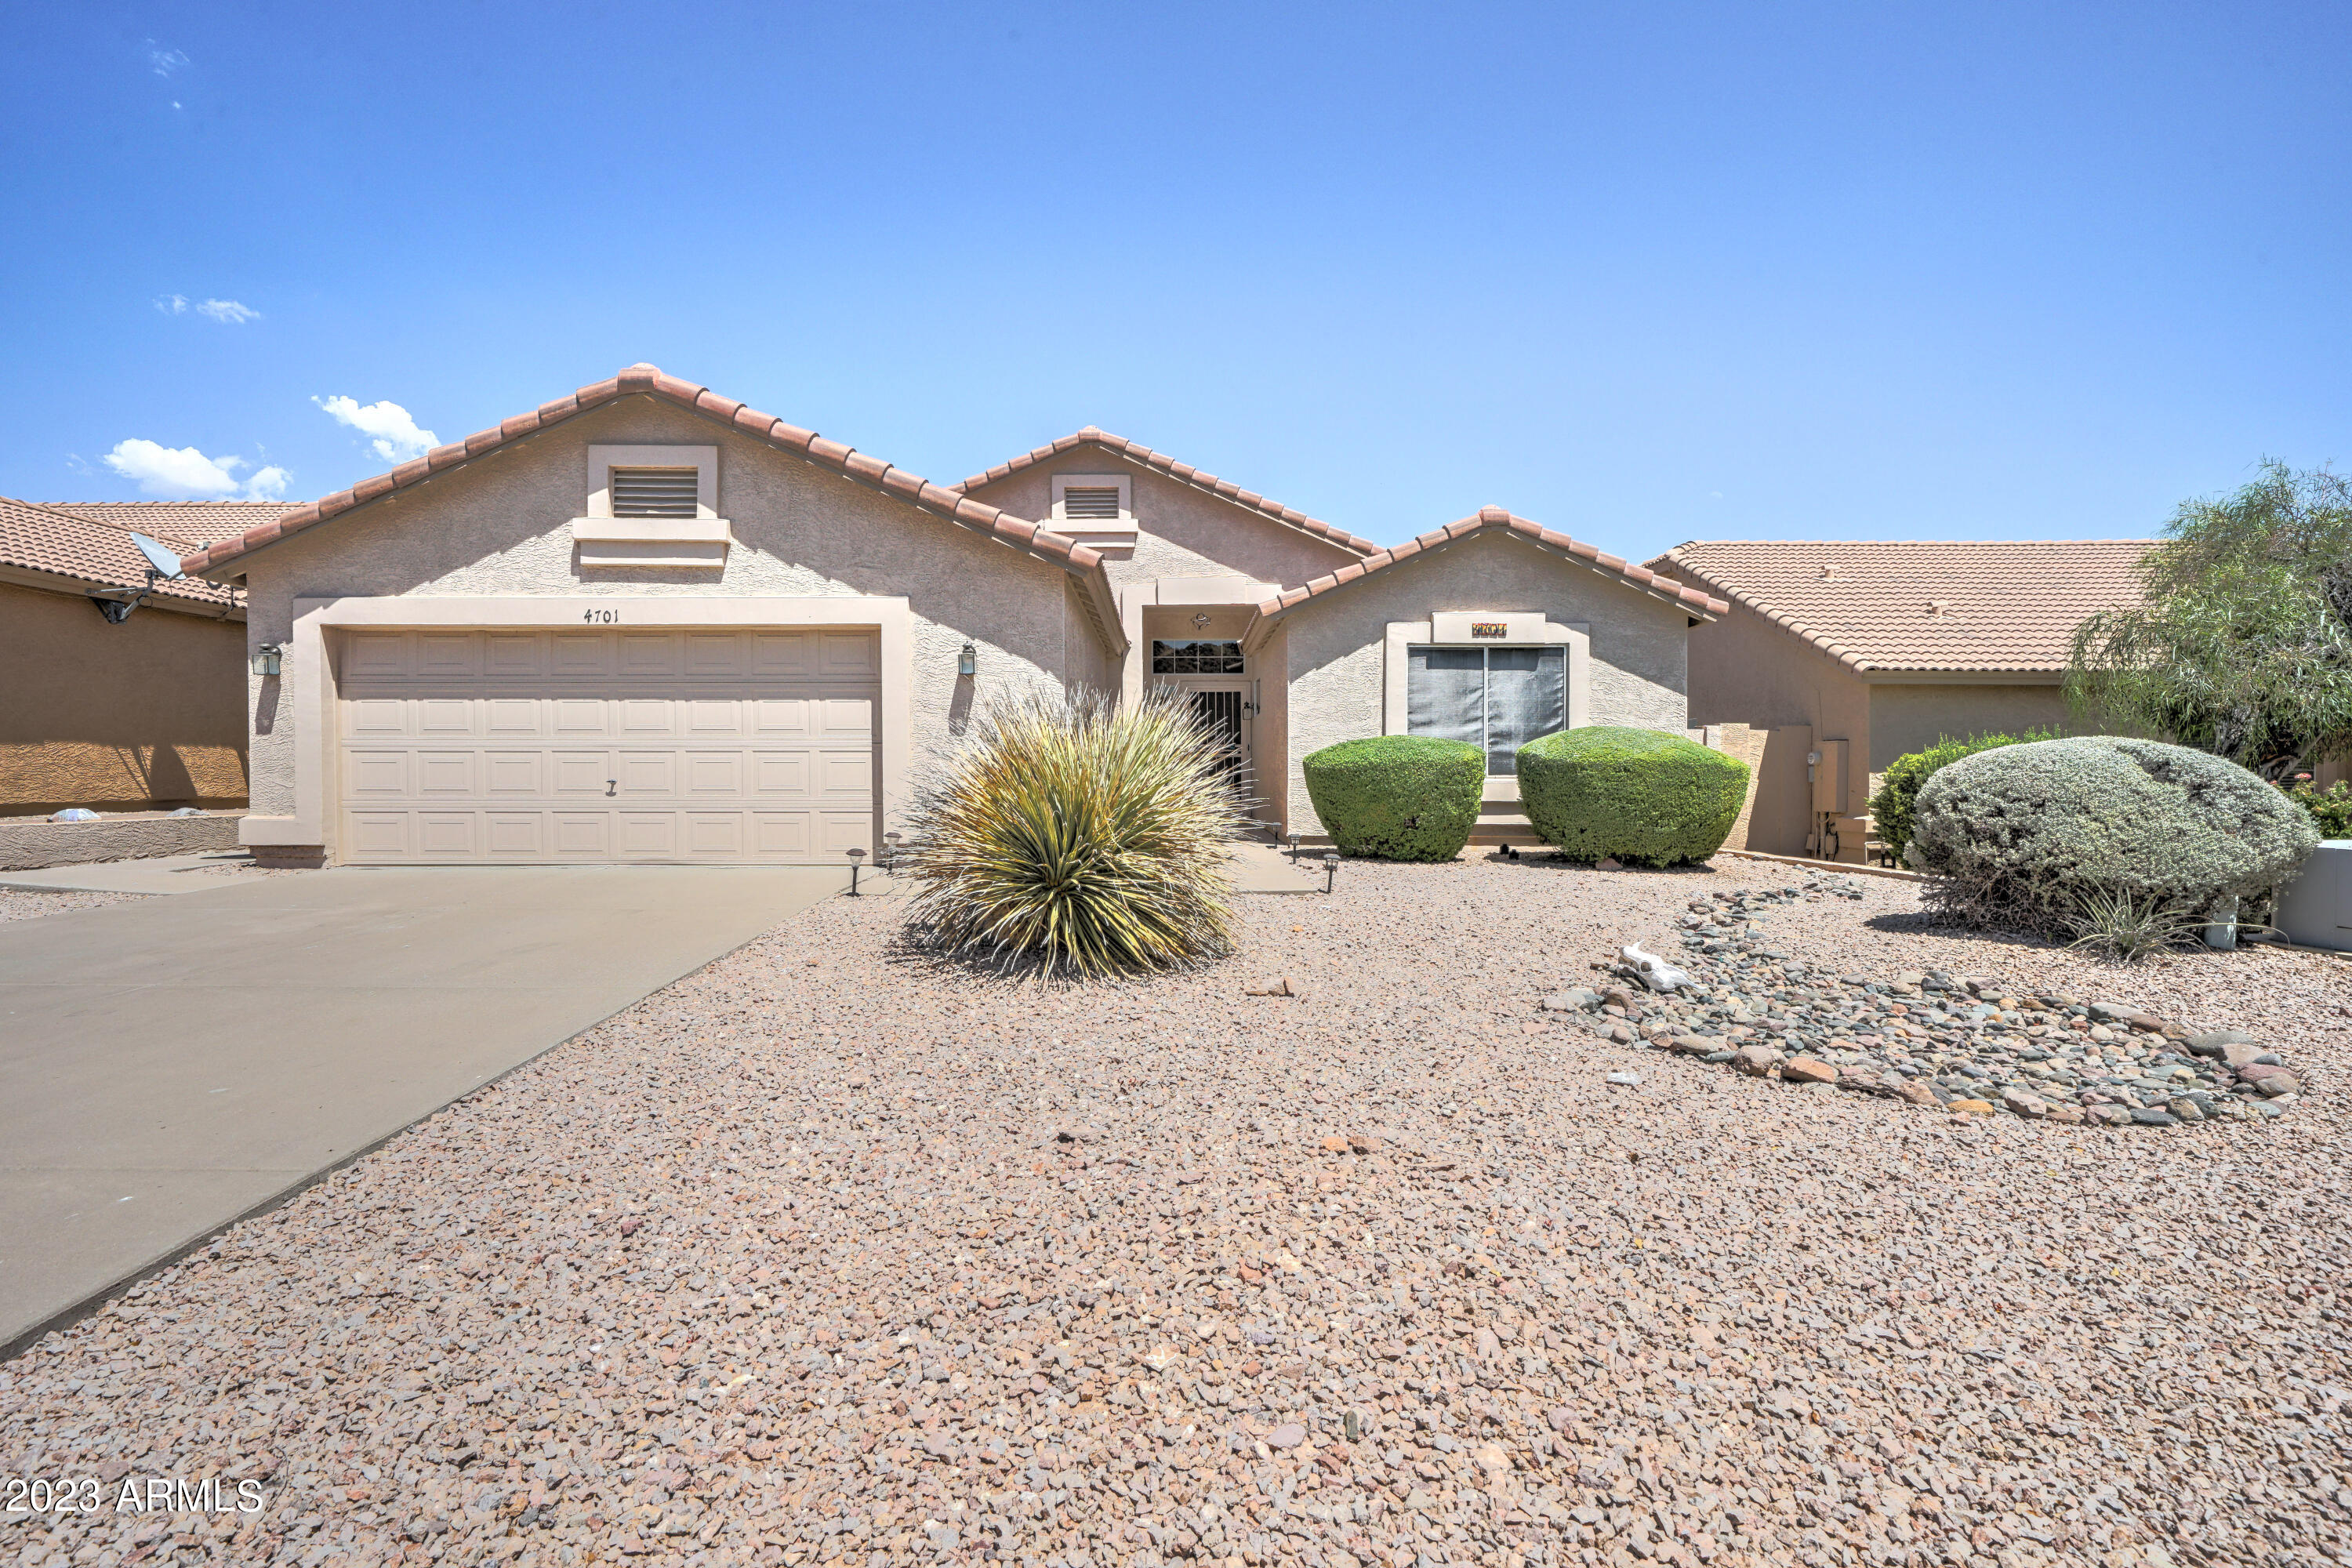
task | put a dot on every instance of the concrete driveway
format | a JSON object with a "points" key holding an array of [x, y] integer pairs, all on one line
{"points": [[170, 1066]]}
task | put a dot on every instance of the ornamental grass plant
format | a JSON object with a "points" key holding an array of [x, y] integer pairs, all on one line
{"points": [[1076, 838]]}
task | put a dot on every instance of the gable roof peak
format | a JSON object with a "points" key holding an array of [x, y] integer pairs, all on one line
{"points": [[1182, 473]]}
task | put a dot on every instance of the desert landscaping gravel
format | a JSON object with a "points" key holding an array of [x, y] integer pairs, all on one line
{"points": [[826, 1255], [23, 904]]}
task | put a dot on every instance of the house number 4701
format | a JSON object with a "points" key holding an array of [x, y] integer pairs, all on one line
{"points": [[602, 617]]}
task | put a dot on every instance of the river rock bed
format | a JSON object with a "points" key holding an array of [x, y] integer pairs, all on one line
{"points": [[1966, 1044]]}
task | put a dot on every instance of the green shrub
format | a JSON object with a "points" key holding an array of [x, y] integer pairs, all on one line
{"points": [[2330, 810], [1077, 836], [1399, 797], [1641, 796], [2024, 834], [1891, 809]]}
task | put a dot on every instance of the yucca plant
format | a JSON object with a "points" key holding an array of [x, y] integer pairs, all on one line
{"points": [[1087, 839], [2114, 924]]}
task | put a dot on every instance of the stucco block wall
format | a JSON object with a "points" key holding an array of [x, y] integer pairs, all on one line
{"points": [[502, 526], [1910, 718], [117, 718], [1335, 647], [1184, 532]]}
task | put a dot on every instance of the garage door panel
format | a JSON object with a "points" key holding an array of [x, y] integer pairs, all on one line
{"points": [[608, 745]]}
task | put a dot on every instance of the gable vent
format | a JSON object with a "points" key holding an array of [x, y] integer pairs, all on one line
{"points": [[654, 492], [1082, 503]]}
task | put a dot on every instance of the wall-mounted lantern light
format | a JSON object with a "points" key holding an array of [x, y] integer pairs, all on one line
{"points": [[266, 658], [967, 660]]}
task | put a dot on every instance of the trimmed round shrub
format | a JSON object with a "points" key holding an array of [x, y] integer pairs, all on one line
{"points": [[1398, 797], [1641, 796], [1892, 808], [1077, 837], [2026, 833]]}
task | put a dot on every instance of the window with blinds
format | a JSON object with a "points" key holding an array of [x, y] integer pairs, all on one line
{"points": [[1498, 699], [1090, 503], [654, 492]]}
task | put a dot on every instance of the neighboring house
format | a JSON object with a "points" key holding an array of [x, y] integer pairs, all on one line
{"points": [[111, 709], [1851, 654], [645, 623]]}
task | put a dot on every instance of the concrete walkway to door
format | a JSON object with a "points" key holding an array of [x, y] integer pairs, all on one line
{"points": [[172, 1065]]}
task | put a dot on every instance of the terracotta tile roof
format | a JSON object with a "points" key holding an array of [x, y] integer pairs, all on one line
{"points": [[87, 552], [1137, 452], [192, 522], [645, 380], [1495, 519], [1922, 604]]}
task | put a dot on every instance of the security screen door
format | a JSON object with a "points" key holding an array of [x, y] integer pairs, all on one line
{"points": [[1498, 699]]}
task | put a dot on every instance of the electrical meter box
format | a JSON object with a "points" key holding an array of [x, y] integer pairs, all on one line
{"points": [[1829, 773]]}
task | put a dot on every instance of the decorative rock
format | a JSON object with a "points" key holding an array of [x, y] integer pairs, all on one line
{"points": [[1289, 1435], [1609, 863], [1651, 970], [2025, 1103], [1580, 1000], [2241, 1056], [1806, 1070], [2213, 1042], [1917, 1093], [2149, 1116], [1627, 1078], [1970, 1108], [1754, 1061]]}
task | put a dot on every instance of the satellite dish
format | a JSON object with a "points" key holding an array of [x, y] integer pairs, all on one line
{"points": [[166, 562]]}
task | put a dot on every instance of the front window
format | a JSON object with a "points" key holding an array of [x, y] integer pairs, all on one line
{"points": [[1498, 699], [1196, 657]]}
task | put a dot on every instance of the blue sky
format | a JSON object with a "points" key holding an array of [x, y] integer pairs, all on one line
{"points": [[1645, 273]]}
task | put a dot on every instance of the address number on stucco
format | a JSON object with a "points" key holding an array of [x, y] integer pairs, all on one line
{"points": [[602, 617]]}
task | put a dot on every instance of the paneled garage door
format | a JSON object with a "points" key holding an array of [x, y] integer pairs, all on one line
{"points": [[536, 747]]}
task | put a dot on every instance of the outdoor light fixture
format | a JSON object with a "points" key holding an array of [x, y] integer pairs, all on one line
{"points": [[967, 660], [1294, 848], [857, 858], [1330, 868], [889, 851], [266, 657]]}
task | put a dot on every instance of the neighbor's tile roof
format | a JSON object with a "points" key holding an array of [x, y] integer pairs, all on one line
{"points": [[90, 553], [1491, 519], [645, 380], [1185, 473], [196, 522], [1922, 604]]}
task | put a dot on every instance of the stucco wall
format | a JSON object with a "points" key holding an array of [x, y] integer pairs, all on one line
{"points": [[1909, 718], [1744, 669], [501, 525], [1335, 646], [1184, 532], [117, 717]]}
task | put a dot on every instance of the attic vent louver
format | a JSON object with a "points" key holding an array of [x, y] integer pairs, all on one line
{"points": [[654, 492], [1085, 503]]}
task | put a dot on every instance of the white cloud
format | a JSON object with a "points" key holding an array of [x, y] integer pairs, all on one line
{"points": [[229, 312], [396, 436], [173, 304], [183, 473], [164, 61]]}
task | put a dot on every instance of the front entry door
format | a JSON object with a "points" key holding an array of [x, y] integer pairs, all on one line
{"points": [[1225, 710]]}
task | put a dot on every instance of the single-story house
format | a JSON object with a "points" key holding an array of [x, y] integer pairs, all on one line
{"points": [[1839, 656], [125, 690], [645, 623]]}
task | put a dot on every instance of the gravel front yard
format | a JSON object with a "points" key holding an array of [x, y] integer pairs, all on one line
{"points": [[22, 904], [823, 1254]]}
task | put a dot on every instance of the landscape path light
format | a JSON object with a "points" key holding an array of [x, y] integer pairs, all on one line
{"points": [[966, 659], [1330, 868], [857, 858]]}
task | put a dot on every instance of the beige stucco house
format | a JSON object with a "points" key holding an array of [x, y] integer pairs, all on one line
{"points": [[1839, 656], [124, 692], [645, 623]]}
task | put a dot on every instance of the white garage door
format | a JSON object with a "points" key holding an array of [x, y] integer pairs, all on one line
{"points": [[539, 747]]}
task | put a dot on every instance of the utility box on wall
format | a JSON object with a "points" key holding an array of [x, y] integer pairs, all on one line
{"points": [[2316, 909], [1828, 760]]}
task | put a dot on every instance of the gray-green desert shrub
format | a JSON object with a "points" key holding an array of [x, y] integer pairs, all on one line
{"points": [[1641, 796], [1398, 797], [2023, 835], [1080, 838]]}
